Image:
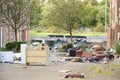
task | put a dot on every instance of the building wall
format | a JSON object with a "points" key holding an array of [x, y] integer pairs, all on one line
{"points": [[7, 33], [114, 27]]}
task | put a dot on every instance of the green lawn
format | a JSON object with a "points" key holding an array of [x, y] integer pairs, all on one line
{"points": [[75, 34]]}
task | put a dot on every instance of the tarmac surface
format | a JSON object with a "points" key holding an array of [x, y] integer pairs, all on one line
{"points": [[55, 71]]}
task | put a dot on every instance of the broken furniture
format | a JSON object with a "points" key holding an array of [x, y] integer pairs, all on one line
{"points": [[37, 54]]}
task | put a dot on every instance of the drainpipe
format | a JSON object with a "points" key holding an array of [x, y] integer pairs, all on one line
{"points": [[1, 37]]}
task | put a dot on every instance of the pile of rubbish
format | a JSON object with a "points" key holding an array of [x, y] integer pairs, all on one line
{"points": [[96, 53]]}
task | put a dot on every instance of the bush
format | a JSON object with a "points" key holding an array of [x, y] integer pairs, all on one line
{"points": [[117, 48], [100, 27], [69, 46], [14, 46], [65, 48], [3, 49], [83, 47]]}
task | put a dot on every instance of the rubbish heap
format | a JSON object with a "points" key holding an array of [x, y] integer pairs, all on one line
{"points": [[96, 53]]}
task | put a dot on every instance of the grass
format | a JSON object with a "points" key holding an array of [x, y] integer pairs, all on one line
{"points": [[33, 33], [114, 65], [108, 71], [100, 70]]}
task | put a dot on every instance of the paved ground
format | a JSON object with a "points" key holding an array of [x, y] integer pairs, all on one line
{"points": [[93, 71], [51, 71]]}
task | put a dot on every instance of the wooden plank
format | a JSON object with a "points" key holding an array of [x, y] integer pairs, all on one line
{"points": [[36, 53], [36, 59]]}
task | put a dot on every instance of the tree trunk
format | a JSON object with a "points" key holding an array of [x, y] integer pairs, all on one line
{"points": [[16, 40], [16, 35], [71, 36]]}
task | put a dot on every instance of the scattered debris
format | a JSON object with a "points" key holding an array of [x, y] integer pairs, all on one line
{"points": [[76, 59], [24, 67], [96, 53], [75, 75]]}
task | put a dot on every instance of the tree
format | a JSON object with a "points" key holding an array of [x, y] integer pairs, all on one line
{"points": [[63, 14], [95, 14], [35, 12], [89, 16], [14, 14], [68, 14]]}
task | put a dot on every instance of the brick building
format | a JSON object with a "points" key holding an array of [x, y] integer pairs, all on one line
{"points": [[7, 33], [114, 28]]}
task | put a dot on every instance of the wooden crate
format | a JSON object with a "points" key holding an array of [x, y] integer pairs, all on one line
{"points": [[37, 54]]}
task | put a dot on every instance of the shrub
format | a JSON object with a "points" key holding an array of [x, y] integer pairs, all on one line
{"points": [[117, 47], [83, 47], [100, 27], [69, 46], [3, 49], [61, 50], [14, 46], [65, 47]]}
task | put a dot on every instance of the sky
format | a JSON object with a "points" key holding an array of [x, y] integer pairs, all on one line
{"points": [[99, 0]]}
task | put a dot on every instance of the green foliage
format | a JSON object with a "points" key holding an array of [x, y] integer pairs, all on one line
{"points": [[99, 28], [3, 49], [68, 15], [83, 47], [35, 12], [12, 14], [114, 65], [95, 70], [117, 47], [65, 47], [14, 46], [62, 14], [69, 45], [38, 31], [53, 29], [61, 50], [89, 16]]}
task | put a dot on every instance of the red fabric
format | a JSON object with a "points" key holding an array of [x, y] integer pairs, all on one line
{"points": [[79, 53], [87, 55]]}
